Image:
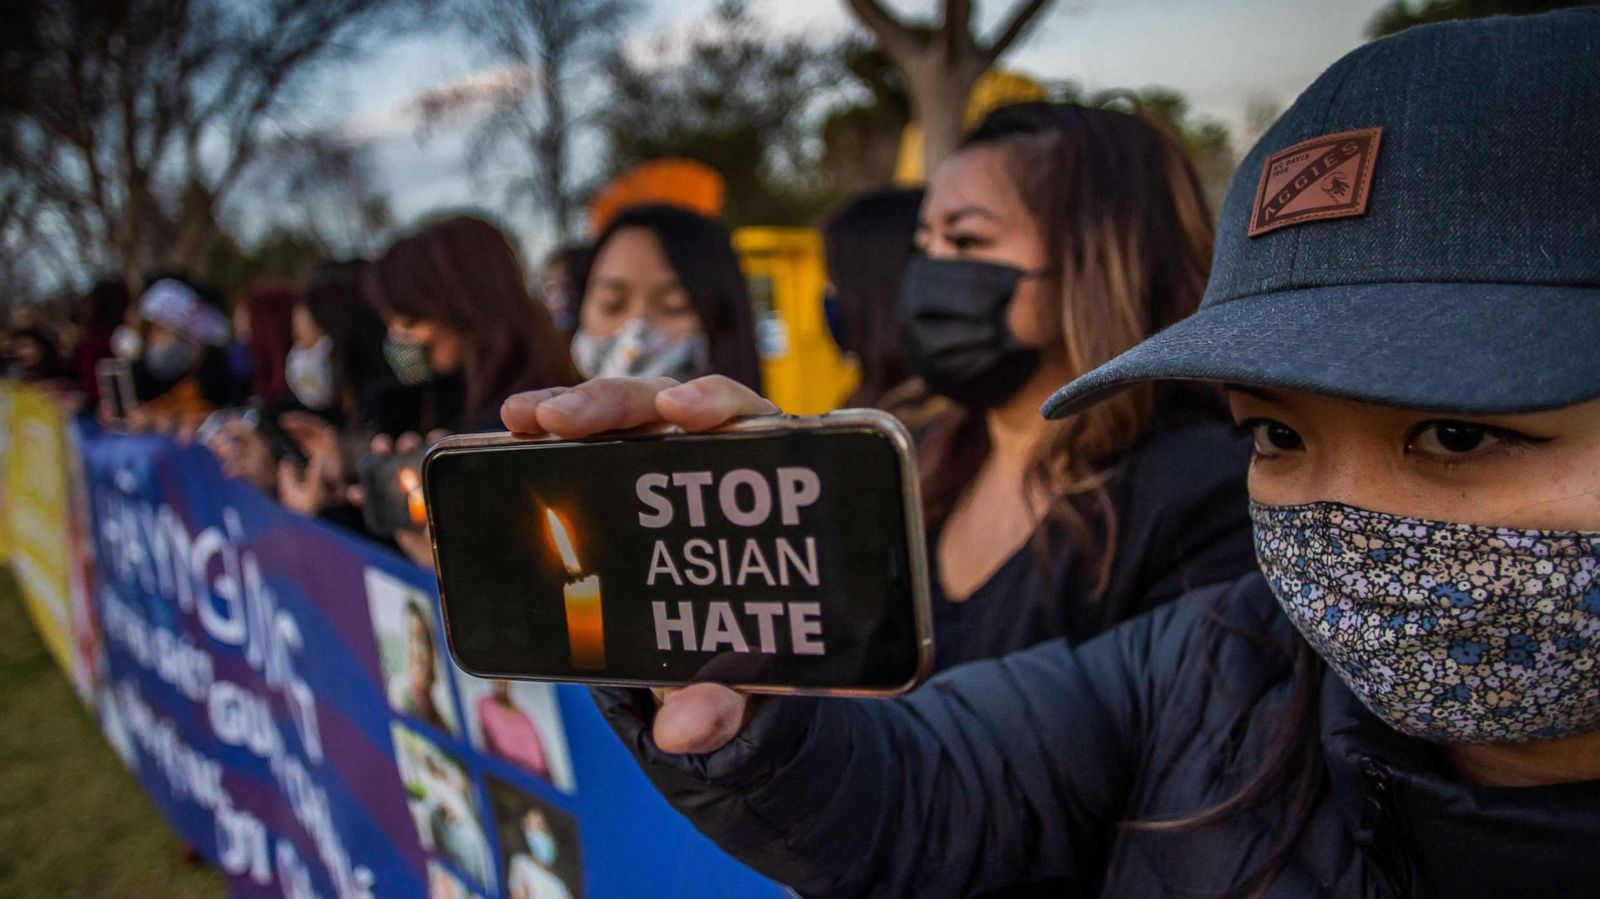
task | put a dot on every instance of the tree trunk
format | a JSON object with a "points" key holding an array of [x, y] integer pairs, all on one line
{"points": [[938, 87], [195, 224], [940, 68], [553, 152]]}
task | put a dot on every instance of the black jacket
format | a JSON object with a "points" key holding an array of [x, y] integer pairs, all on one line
{"points": [[1181, 522], [1025, 769]]}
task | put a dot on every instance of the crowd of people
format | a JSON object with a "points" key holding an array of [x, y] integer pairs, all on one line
{"points": [[1295, 585], [293, 384]]}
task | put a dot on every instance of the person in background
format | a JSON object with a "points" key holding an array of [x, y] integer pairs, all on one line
{"points": [[664, 295], [337, 367], [182, 373], [1055, 238], [100, 312], [558, 288], [867, 245], [262, 315], [337, 375], [31, 355], [509, 733], [463, 330], [240, 364]]}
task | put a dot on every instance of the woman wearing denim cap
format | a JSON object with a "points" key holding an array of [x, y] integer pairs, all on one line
{"points": [[1404, 702]]}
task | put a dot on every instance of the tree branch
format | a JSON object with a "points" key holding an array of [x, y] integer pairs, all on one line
{"points": [[957, 29], [1020, 22], [896, 39]]}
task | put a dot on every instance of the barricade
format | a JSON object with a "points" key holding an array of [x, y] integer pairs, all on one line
{"points": [[281, 689]]}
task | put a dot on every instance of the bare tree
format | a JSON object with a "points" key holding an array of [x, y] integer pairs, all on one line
{"points": [[735, 96], [556, 45], [319, 186], [132, 121], [941, 64]]}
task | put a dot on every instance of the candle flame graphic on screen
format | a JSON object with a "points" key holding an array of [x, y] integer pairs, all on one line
{"points": [[586, 633], [558, 534], [411, 488]]}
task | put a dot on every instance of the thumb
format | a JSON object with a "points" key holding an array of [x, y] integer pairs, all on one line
{"points": [[699, 718]]}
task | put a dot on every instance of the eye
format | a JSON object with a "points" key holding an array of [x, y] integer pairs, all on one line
{"points": [[674, 302], [964, 243], [1272, 438], [1453, 438]]}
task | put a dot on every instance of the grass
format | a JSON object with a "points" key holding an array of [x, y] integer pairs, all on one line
{"points": [[73, 821]]}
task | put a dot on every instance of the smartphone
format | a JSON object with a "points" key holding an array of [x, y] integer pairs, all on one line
{"points": [[279, 443], [778, 555], [115, 379], [391, 486]]}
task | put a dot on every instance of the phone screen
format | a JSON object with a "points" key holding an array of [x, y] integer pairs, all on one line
{"points": [[115, 380], [760, 559]]}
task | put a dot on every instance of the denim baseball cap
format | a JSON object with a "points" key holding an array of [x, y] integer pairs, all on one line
{"points": [[1420, 229]]}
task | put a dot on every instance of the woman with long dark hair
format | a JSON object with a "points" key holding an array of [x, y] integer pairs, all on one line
{"points": [[462, 325], [337, 367], [663, 295], [1403, 700], [1055, 238]]}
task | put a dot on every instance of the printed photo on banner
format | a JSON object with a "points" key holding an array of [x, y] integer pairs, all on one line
{"points": [[539, 847], [442, 805], [520, 722], [444, 885], [409, 653]]}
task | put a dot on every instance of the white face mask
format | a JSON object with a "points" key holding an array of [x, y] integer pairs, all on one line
{"points": [[125, 343], [309, 372], [640, 350]]}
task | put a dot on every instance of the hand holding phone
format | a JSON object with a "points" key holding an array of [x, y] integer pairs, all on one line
{"points": [[779, 555]]}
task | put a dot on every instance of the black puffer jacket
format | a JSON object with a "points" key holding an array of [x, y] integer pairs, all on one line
{"points": [[1025, 769]]}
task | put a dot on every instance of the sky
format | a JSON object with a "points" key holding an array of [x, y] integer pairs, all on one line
{"points": [[1226, 56]]}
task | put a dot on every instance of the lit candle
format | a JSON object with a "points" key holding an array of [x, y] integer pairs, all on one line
{"points": [[586, 632]]}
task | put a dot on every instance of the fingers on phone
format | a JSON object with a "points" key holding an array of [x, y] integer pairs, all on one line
{"points": [[604, 404], [699, 718], [519, 413], [710, 401]]}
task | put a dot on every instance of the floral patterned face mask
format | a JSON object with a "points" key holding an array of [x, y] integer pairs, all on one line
{"points": [[1449, 632]]}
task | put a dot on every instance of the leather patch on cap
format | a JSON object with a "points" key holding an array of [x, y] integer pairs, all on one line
{"points": [[1328, 177]]}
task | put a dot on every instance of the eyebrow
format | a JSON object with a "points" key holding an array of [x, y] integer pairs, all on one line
{"points": [[1260, 393], [955, 215]]}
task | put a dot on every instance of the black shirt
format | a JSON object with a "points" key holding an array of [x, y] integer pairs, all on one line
{"points": [[1182, 522]]}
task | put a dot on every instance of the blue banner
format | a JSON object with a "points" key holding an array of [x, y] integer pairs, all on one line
{"points": [[282, 690]]}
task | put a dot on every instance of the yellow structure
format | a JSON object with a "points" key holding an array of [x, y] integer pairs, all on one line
{"points": [[801, 367], [995, 88]]}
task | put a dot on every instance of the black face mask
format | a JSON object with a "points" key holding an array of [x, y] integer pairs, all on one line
{"points": [[954, 325]]}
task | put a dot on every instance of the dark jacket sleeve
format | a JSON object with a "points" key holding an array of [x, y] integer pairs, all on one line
{"points": [[1007, 771], [1182, 523]]}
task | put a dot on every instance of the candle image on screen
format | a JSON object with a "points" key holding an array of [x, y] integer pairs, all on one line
{"points": [[586, 632], [411, 488]]}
